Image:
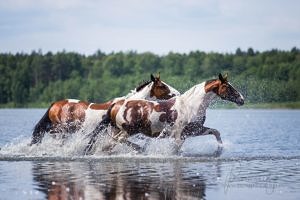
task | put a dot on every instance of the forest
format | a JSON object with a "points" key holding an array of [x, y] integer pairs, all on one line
{"points": [[36, 79]]}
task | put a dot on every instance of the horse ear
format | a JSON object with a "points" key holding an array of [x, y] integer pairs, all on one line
{"points": [[158, 75], [225, 77], [152, 78], [221, 78]]}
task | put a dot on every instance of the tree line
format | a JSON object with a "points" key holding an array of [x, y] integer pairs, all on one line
{"points": [[39, 78]]}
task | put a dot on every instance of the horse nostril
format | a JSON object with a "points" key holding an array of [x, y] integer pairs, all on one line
{"points": [[241, 101]]}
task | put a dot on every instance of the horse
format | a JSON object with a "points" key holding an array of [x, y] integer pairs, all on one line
{"points": [[71, 115], [178, 117]]}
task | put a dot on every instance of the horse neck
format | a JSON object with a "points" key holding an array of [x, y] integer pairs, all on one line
{"points": [[172, 90], [142, 94], [196, 101]]}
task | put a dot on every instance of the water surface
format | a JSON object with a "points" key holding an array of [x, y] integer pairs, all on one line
{"points": [[260, 160]]}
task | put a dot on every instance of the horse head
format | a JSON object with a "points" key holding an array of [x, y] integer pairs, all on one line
{"points": [[225, 90], [161, 90]]}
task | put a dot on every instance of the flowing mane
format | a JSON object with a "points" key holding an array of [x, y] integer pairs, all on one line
{"points": [[138, 88], [142, 85]]}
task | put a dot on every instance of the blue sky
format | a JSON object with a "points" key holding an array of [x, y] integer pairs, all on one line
{"points": [[158, 26]]}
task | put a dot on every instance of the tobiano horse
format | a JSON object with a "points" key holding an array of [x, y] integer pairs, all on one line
{"points": [[179, 117], [72, 115]]}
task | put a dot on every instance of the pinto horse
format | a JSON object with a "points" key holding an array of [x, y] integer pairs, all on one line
{"points": [[179, 117], [72, 115]]}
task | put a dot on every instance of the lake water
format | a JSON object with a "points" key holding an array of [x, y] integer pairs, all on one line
{"points": [[260, 160]]}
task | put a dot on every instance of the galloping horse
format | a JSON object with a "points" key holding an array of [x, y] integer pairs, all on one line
{"points": [[179, 117], [72, 115]]}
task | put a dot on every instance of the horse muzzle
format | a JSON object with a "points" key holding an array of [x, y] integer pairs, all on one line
{"points": [[240, 101]]}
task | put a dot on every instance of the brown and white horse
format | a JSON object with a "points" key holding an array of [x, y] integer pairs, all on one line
{"points": [[179, 117], [72, 115]]}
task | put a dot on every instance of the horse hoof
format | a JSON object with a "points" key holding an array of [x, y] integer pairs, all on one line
{"points": [[219, 151]]}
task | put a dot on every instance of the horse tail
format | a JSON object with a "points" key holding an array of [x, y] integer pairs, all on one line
{"points": [[100, 127], [41, 127]]}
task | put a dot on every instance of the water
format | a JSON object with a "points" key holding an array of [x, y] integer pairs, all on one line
{"points": [[260, 160]]}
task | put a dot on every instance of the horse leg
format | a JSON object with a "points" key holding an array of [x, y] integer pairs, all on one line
{"points": [[122, 137], [113, 140], [201, 130], [43, 126], [103, 125], [176, 134], [206, 131], [134, 146], [216, 133]]}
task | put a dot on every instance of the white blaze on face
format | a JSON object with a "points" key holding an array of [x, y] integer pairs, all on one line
{"points": [[73, 100]]}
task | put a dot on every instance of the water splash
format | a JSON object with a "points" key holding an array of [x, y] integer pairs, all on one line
{"points": [[74, 145]]}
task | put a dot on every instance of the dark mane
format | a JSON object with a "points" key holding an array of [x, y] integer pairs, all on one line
{"points": [[142, 85], [209, 81]]}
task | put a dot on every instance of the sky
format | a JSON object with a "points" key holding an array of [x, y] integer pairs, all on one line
{"points": [[158, 26]]}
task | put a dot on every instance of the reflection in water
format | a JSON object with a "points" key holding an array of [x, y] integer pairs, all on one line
{"points": [[129, 180]]}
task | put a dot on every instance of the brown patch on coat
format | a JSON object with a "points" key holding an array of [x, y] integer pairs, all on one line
{"points": [[114, 110], [55, 111], [169, 115], [139, 114], [66, 112], [101, 106], [72, 112], [212, 86]]}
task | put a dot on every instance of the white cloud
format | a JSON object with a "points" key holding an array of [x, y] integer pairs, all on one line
{"points": [[40, 4], [158, 26]]}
